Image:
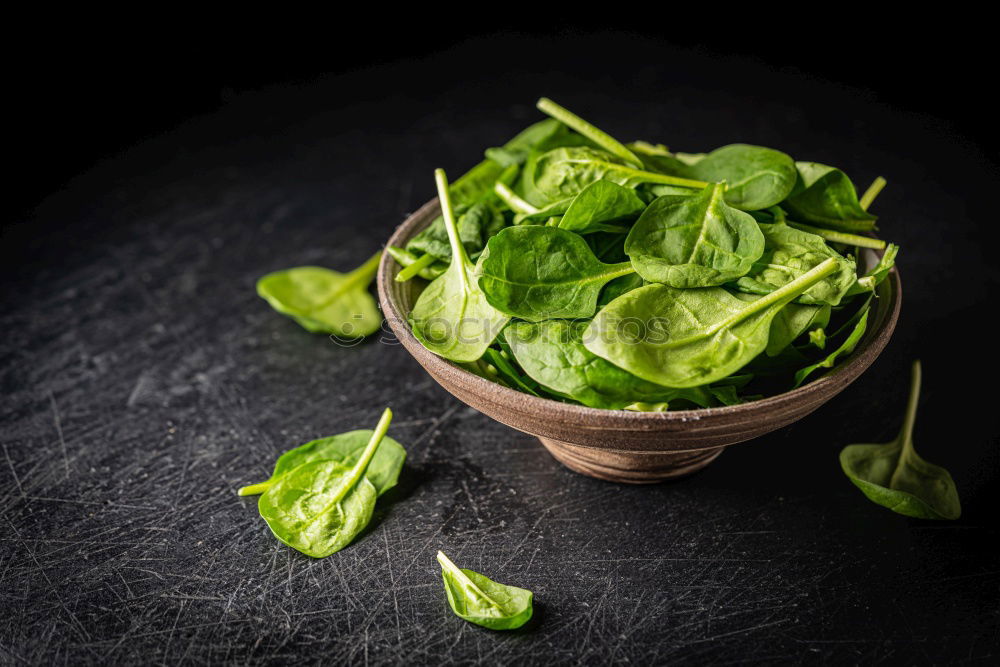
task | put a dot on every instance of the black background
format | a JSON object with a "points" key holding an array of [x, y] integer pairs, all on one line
{"points": [[156, 177]]}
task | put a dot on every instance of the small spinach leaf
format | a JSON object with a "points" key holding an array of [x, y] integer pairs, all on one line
{"points": [[481, 600], [452, 317], [825, 196], [756, 177], [320, 506], [689, 337], [894, 476], [538, 273], [599, 204], [695, 241], [788, 254], [325, 301], [346, 449]]}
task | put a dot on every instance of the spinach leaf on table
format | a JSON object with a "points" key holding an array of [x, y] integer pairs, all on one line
{"points": [[689, 337], [346, 449], [480, 600], [320, 506], [894, 476], [452, 317], [756, 177], [788, 254], [825, 196], [553, 354], [325, 301], [695, 241], [538, 273]]}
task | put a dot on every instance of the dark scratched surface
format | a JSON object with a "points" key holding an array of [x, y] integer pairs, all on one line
{"points": [[144, 381]]}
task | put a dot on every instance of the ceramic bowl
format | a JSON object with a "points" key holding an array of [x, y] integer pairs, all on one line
{"points": [[619, 445]]}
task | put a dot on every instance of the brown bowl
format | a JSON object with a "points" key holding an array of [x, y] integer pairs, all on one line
{"points": [[619, 445]]}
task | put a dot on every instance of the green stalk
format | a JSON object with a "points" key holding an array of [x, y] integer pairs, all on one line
{"points": [[358, 471], [906, 432], [787, 291], [652, 177], [598, 136], [415, 268], [459, 259], [510, 198], [839, 237], [869, 196], [254, 489]]}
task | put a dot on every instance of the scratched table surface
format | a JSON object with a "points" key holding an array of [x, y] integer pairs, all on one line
{"points": [[144, 381]]}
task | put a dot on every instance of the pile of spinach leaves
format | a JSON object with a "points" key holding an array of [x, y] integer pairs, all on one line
{"points": [[573, 266]]}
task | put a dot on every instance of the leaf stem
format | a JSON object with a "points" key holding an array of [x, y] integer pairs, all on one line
{"points": [[366, 272], [254, 489], [787, 291], [458, 256], [839, 237], [415, 268], [510, 198], [463, 578], [652, 177], [592, 132], [906, 432], [358, 471], [869, 196]]}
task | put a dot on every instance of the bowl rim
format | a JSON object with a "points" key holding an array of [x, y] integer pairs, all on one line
{"points": [[868, 348]]}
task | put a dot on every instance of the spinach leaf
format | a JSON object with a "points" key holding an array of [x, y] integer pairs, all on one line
{"points": [[509, 374], [599, 204], [481, 600], [755, 177], [597, 136], [689, 337], [843, 349], [825, 196], [452, 317], [538, 273], [564, 172], [320, 506], [346, 449], [325, 301], [788, 254], [696, 241], [894, 476], [553, 354]]}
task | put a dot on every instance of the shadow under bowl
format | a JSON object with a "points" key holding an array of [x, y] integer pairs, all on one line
{"points": [[620, 445]]}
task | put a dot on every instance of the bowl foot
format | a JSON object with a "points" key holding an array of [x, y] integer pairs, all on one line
{"points": [[629, 467]]}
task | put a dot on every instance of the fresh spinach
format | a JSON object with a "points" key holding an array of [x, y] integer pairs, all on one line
{"points": [[689, 337], [597, 136], [894, 476], [790, 253], [452, 317], [480, 600], [565, 172], [346, 449], [695, 241], [845, 348], [825, 196], [325, 301], [538, 273], [755, 177], [320, 506], [426, 266], [553, 354]]}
